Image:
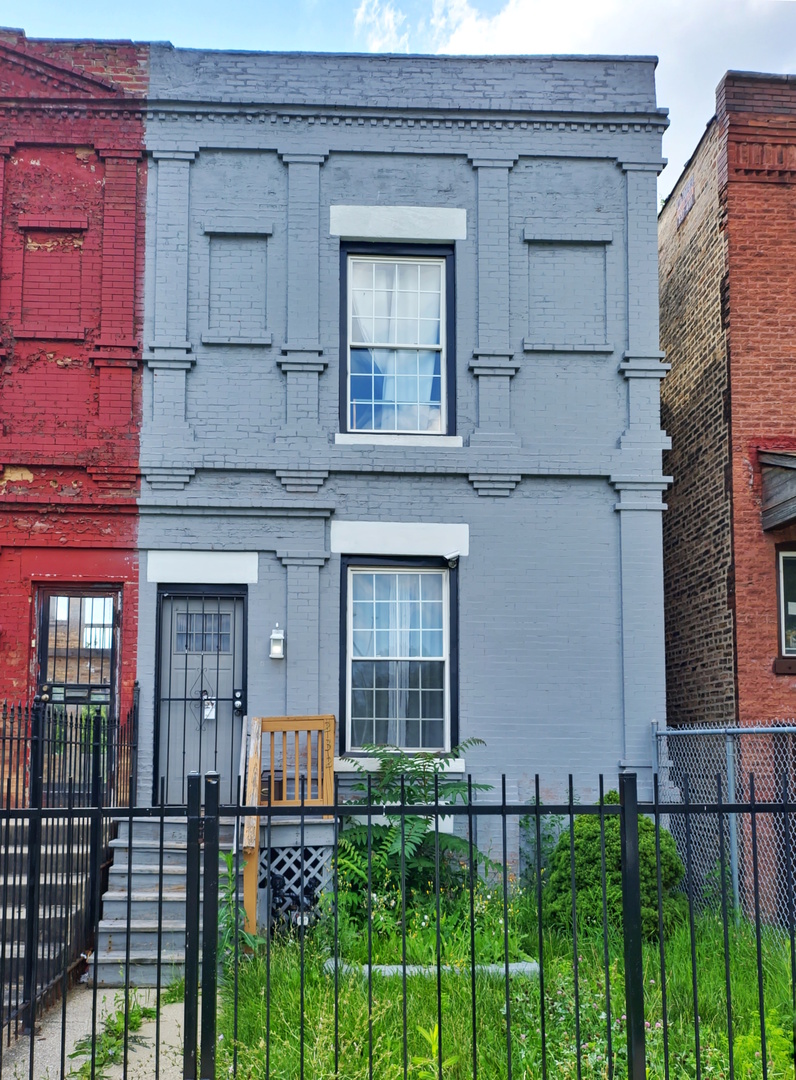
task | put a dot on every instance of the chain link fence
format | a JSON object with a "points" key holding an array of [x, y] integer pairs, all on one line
{"points": [[734, 764]]}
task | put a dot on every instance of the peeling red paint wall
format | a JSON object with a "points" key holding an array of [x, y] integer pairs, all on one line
{"points": [[72, 191]]}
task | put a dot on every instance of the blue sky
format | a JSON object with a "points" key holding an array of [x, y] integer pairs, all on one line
{"points": [[696, 40]]}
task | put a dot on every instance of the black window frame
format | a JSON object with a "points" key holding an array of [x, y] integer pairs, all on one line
{"points": [[401, 562], [418, 251]]}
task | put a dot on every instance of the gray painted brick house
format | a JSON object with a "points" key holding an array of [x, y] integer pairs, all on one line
{"points": [[401, 407]]}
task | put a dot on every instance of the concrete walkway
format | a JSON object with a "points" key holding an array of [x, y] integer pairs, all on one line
{"points": [[79, 1005]]}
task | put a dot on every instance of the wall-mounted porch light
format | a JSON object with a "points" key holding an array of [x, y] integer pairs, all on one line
{"points": [[277, 644]]}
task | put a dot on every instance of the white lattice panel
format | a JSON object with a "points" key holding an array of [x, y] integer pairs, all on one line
{"points": [[287, 863]]}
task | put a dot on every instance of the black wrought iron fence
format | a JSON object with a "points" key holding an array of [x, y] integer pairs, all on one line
{"points": [[414, 952], [53, 864]]}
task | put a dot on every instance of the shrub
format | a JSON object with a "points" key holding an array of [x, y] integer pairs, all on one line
{"points": [[557, 897], [416, 778]]}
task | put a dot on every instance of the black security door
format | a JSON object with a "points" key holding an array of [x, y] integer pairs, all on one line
{"points": [[201, 687]]}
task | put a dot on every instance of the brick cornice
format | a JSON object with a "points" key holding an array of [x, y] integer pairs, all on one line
{"points": [[755, 153]]}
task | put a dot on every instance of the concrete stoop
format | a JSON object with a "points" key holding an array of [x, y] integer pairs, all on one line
{"points": [[140, 914]]}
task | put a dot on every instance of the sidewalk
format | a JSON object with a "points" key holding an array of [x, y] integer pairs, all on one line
{"points": [[79, 1005]]}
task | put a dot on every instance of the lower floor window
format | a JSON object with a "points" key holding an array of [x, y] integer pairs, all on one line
{"points": [[787, 588], [77, 645], [398, 666]]}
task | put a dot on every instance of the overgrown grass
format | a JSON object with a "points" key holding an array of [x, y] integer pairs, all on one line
{"points": [[270, 1045]]}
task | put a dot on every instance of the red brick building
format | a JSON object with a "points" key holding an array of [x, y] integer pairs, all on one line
{"points": [[727, 239], [72, 186]]}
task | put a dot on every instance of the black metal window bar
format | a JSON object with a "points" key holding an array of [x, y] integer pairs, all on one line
{"points": [[613, 992], [78, 647]]}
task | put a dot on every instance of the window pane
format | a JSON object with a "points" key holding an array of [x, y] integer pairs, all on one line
{"points": [[428, 305], [403, 695], [431, 675], [407, 276], [384, 418], [432, 643], [363, 674], [362, 388], [386, 586], [431, 586], [361, 316], [407, 417], [385, 703], [361, 732], [363, 643], [428, 333], [411, 703], [361, 274], [414, 675], [789, 604], [362, 586], [396, 303], [406, 388], [407, 306], [411, 739], [430, 277], [432, 703], [361, 362], [433, 734], [385, 615], [363, 615], [432, 615], [362, 703], [409, 587], [384, 275]]}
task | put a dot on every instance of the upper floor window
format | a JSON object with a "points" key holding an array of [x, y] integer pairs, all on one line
{"points": [[398, 339]]}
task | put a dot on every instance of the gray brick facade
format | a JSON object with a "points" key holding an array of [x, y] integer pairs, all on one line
{"points": [[554, 463]]}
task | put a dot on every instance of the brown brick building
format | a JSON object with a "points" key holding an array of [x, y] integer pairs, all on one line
{"points": [[727, 240]]}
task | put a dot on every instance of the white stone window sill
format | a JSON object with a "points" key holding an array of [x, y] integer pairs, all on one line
{"points": [[367, 439], [345, 765]]}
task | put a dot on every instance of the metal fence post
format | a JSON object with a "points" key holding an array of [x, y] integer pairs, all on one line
{"points": [[35, 792], [631, 907], [729, 751], [95, 863], [207, 1064], [191, 1016], [133, 737]]}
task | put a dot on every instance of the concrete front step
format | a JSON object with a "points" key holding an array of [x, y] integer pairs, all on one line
{"points": [[143, 969], [144, 938], [148, 853], [49, 952], [174, 829]]}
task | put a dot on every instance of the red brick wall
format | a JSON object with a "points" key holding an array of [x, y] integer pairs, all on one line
{"points": [[761, 216], [72, 190], [697, 541], [728, 318]]}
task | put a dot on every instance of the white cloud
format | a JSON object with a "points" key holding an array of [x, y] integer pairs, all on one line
{"points": [[696, 41], [384, 26]]}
